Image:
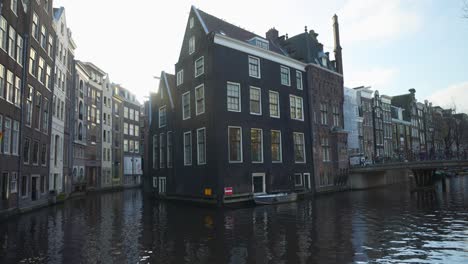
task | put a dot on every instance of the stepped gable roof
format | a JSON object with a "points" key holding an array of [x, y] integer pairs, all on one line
{"points": [[217, 25]]}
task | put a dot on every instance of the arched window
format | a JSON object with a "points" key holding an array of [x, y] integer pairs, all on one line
{"points": [[81, 89], [80, 131], [80, 110]]}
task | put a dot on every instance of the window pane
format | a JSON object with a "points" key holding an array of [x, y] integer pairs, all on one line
{"points": [[235, 144]]}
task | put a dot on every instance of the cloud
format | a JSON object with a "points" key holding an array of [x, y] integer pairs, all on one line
{"points": [[365, 20], [453, 95], [379, 78]]}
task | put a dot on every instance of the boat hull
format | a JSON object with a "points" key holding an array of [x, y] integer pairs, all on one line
{"points": [[275, 198]]}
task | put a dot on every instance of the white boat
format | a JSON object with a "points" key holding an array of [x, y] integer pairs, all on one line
{"points": [[275, 198]]}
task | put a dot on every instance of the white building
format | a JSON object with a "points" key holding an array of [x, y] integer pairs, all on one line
{"points": [[352, 119], [59, 115]]}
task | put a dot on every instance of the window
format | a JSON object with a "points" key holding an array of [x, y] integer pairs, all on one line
{"points": [[199, 66], [29, 106], [299, 80], [19, 49], [297, 179], [32, 62], [15, 139], [162, 151], [285, 76], [137, 146], [255, 101], [191, 22], [50, 46], [155, 152], [7, 136], [137, 131], [256, 141], [274, 104], [188, 148], [35, 158], [235, 144], [45, 121], [26, 150], [200, 99], [38, 110], [132, 114], [233, 97], [14, 182], [186, 106], [125, 129], [169, 149], [12, 42], [14, 6], [296, 107], [9, 87], [2, 81], [180, 77], [35, 26], [44, 155], [254, 67], [137, 115], [125, 112], [131, 130], [276, 148], [299, 148], [131, 146], [162, 116], [125, 145], [43, 37], [201, 146], [48, 79], [323, 114], [3, 33], [18, 92], [191, 45], [336, 117], [325, 149]]}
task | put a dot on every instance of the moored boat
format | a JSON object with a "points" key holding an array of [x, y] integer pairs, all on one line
{"points": [[275, 198]]}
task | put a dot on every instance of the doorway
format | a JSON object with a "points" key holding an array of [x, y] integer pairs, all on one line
{"points": [[258, 183], [307, 181]]}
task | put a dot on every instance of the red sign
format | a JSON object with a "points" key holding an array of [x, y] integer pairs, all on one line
{"points": [[228, 191]]}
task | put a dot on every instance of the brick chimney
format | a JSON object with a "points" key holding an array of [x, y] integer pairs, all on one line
{"points": [[338, 55]]}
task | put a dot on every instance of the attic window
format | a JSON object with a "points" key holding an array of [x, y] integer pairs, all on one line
{"points": [[191, 22], [259, 42]]}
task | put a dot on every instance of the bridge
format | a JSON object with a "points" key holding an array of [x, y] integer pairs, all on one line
{"points": [[389, 173]]}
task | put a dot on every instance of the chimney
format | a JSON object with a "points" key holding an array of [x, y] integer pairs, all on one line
{"points": [[338, 55], [272, 34], [412, 91]]}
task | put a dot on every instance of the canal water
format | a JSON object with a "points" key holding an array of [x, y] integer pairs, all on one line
{"points": [[379, 226]]}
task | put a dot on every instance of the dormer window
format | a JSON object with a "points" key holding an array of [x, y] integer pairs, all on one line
{"points": [[259, 42]]}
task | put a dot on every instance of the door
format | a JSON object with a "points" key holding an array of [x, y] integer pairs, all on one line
{"points": [[258, 183], [4, 182], [34, 188], [307, 181]]}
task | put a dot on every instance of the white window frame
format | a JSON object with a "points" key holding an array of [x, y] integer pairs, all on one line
{"points": [[197, 112], [280, 146], [6, 141], [202, 59], [300, 177], [189, 106], [165, 116], [303, 148], [240, 97], [259, 75], [299, 84], [261, 145], [191, 149], [191, 45], [260, 100], [289, 76], [241, 146], [204, 146], [269, 103], [296, 98], [180, 77]]}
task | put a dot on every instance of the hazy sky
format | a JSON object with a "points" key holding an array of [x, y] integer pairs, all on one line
{"points": [[392, 45]]}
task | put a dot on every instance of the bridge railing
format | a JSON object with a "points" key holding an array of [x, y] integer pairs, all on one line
{"points": [[396, 161]]}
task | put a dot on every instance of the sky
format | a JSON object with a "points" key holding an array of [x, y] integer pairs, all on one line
{"points": [[391, 45]]}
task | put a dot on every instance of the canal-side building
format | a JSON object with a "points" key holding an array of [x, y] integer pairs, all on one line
{"points": [[377, 119], [250, 136], [13, 32], [130, 121], [38, 87], [387, 125], [401, 134], [352, 124], [117, 136], [366, 130]]}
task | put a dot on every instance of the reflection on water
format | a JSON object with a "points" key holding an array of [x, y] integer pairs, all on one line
{"points": [[384, 226]]}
